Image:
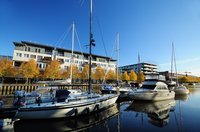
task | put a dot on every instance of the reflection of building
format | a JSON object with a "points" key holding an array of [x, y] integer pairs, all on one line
{"points": [[43, 54], [146, 68]]}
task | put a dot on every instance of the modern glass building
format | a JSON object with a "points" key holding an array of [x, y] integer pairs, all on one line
{"points": [[146, 68]]}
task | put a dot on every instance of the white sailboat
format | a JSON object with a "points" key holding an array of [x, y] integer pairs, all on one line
{"points": [[123, 91], [65, 105], [179, 89]]}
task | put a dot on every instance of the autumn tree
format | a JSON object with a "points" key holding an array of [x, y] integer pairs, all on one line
{"points": [[6, 68], [53, 70], [133, 75], [110, 75], [66, 73], [29, 70], [99, 74], [125, 76], [75, 72], [85, 72], [140, 77], [183, 79]]}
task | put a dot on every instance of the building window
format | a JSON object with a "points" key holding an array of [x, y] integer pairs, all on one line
{"points": [[33, 56], [29, 49], [39, 58], [38, 50], [19, 54], [26, 55]]}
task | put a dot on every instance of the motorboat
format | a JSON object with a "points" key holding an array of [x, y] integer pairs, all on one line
{"points": [[152, 90], [181, 90]]}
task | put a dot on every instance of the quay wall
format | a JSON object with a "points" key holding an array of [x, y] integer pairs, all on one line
{"points": [[9, 89]]}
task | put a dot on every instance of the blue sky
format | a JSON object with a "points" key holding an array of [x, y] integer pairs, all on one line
{"points": [[147, 27]]}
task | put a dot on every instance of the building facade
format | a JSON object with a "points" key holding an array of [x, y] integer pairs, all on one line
{"points": [[44, 54], [146, 68]]}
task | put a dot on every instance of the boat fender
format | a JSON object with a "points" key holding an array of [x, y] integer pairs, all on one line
{"points": [[19, 102], [88, 110], [38, 100], [76, 111], [1, 102], [66, 100], [97, 107]]}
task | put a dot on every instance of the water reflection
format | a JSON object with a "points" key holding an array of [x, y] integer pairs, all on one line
{"points": [[182, 97], [157, 112], [78, 124]]}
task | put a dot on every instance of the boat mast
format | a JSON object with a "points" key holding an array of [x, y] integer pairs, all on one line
{"points": [[72, 55], [172, 60], [90, 49], [117, 48], [175, 66]]}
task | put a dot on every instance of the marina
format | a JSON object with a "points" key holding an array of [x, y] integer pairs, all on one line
{"points": [[177, 115], [96, 82]]}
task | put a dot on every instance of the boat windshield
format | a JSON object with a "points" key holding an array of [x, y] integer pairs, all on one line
{"points": [[150, 87]]}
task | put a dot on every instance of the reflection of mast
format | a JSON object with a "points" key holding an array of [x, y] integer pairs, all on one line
{"points": [[181, 121]]}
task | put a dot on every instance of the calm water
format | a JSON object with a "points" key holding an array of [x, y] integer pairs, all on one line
{"points": [[179, 115]]}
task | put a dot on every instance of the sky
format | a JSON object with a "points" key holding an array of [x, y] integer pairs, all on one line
{"points": [[146, 27]]}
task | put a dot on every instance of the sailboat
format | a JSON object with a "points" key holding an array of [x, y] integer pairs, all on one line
{"points": [[65, 105], [123, 91], [179, 89], [84, 123]]}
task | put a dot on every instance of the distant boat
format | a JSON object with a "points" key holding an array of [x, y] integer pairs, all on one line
{"points": [[152, 90], [64, 105], [179, 89], [124, 90]]}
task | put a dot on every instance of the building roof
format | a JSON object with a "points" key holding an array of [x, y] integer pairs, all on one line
{"points": [[139, 63], [24, 43]]}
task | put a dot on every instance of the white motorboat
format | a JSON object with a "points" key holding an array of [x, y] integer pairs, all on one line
{"points": [[152, 90], [64, 105], [181, 90]]}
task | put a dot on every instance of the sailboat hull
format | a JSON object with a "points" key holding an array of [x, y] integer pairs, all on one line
{"points": [[65, 109]]}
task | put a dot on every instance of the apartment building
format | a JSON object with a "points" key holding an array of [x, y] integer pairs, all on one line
{"points": [[43, 54], [146, 68]]}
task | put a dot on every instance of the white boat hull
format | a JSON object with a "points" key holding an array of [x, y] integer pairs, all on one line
{"points": [[65, 109], [152, 96], [179, 90]]}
